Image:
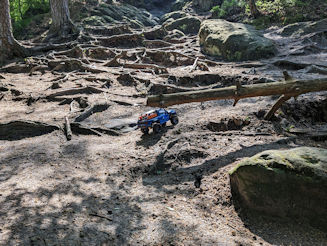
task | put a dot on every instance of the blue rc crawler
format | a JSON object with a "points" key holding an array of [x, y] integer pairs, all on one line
{"points": [[156, 119]]}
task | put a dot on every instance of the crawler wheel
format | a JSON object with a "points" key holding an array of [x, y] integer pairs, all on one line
{"points": [[157, 128], [145, 130], [174, 120]]}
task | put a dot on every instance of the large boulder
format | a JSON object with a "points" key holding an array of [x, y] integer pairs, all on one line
{"points": [[284, 183], [117, 13], [179, 4], [234, 41], [188, 25]]}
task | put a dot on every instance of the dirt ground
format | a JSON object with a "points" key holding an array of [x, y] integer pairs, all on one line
{"points": [[135, 189]]}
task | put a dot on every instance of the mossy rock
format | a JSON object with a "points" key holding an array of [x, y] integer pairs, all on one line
{"points": [[188, 25], [303, 28], [284, 183], [117, 13], [234, 41], [179, 4]]}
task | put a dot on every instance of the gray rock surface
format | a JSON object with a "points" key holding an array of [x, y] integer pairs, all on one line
{"points": [[285, 183], [234, 41]]}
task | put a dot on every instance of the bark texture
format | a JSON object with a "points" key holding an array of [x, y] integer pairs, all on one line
{"points": [[288, 88], [253, 8], [61, 26], [8, 44]]}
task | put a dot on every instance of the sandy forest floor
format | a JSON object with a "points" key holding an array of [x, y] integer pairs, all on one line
{"points": [[126, 188]]}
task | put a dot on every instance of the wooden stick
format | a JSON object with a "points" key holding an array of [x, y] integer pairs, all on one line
{"points": [[68, 129], [276, 106]]}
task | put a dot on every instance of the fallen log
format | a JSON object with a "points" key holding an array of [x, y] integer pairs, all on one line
{"points": [[287, 88]]}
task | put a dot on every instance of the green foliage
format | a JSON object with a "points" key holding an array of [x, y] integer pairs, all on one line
{"points": [[226, 8], [288, 11], [23, 11], [280, 12]]}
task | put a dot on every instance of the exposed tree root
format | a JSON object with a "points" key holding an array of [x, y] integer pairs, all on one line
{"points": [[99, 52], [157, 44], [16, 130], [78, 128], [123, 40], [156, 68], [41, 48], [92, 110], [114, 62], [74, 91], [109, 31], [72, 65], [290, 65], [76, 52], [17, 68]]}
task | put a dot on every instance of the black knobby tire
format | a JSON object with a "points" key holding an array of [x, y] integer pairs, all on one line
{"points": [[156, 127], [174, 120], [145, 130]]}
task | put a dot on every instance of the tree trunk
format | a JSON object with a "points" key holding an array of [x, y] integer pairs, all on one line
{"points": [[287, 88], [253, 9], [62, 26], [9, 47]]}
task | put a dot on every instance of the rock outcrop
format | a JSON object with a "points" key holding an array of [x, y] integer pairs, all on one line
{"points": [[187, 24], [119, 14], [234, 41], [284, 183]]}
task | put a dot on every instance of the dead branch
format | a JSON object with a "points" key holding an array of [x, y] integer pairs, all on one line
{"points": [[276, 88], [276, 106], [68, 129]]}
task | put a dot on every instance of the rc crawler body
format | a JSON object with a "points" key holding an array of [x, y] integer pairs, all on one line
{"points": [[156, 119]]}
